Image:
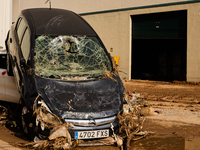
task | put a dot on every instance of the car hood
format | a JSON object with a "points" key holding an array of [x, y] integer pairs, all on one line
{"points": [[84, 99]]}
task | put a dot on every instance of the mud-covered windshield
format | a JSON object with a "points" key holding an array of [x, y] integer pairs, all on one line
{"points": [[70, 57]]}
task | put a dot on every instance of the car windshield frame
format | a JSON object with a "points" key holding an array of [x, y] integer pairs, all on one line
{"points": [[70, 57]]}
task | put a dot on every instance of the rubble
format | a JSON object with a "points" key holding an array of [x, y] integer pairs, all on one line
{"points": [[7, 117]]}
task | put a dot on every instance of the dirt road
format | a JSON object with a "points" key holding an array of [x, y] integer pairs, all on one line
{"points": [[176, 122], [185, 96]]}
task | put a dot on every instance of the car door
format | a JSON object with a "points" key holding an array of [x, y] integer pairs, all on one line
{"points": [[20, 35], [11, 93], [24, 53]]}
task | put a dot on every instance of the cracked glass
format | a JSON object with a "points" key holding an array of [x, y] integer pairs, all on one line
{"points": [[70, 57]]}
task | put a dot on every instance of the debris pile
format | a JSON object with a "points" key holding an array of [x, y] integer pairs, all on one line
{"points": [[131, 124], [3, 115], [59, 139], [131, 120], [7, 117]]}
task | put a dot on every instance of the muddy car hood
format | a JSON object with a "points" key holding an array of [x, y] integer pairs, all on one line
{"points": [[82, 100]]}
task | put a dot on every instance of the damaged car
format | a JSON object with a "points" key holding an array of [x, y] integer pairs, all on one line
{"points": [[64, 74]]}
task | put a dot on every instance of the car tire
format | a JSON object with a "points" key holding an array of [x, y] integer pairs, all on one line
{"points": [[9, 66], [27, 128], [24, 126]]}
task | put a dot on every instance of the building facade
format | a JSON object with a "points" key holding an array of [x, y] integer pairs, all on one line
{"points": [[5, 20], [154, 39]]}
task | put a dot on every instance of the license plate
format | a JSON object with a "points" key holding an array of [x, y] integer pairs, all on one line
{"points": [[91, 134]]}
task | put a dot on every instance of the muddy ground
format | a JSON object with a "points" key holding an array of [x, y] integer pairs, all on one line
{"points": [[174, 117]]}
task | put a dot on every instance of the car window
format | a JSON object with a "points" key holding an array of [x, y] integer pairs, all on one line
{"points": [[25, 44], [3, 61], [18, 22], [68, 56], [20, 28]]}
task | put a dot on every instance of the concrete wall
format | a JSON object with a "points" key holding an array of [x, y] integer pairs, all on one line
{"points": [[115, 30]]}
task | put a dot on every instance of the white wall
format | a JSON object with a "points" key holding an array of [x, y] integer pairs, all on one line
{"points": [[5, 20]]}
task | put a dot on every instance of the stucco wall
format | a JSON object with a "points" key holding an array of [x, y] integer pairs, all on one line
{"points": [[193, 43], [115, 30], [83, 6]]}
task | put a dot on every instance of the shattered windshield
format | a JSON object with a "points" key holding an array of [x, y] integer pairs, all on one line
{"points": [[70, 57]]}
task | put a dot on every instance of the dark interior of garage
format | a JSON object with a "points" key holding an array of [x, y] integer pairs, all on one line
{"points": [[159, 46]]}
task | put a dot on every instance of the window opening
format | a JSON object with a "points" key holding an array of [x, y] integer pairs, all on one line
{"points": [[21, 28], [25, 45]]}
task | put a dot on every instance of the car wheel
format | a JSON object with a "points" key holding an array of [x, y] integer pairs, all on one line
{"points": [[9, 66], [27, 128], [24, 126]]}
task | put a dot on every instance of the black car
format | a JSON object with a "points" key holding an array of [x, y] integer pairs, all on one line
{"points": [[59, 63]]}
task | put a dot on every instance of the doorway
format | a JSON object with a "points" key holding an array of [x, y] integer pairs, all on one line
{"points": [[159, 46]]}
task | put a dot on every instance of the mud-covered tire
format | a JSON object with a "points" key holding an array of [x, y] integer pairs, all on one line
{"points": [[25, 122], [9, 66]]}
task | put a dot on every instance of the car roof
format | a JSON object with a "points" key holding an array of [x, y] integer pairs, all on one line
{"points": [[56, 22]]}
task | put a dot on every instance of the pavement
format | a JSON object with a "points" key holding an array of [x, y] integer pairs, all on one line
{"points": [[6, 146]]}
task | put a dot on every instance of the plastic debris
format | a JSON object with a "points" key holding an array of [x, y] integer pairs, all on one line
{"points": [[158, 111], [60, 131]]}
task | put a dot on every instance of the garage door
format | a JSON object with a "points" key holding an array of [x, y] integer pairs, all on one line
{"points": [[159, 46]]}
